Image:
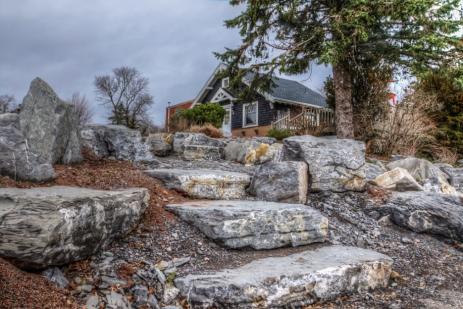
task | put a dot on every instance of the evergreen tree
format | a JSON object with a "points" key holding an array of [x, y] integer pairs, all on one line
{"points": [[289, 35], [445, 84]]}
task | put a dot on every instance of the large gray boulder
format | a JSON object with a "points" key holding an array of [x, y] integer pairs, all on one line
{"points": [[116, 141], [160, 143], [50, 125], [292, 281], [183, 139], [255, 224], [425, 212], [281, 182], [374, 169], [49, 226], [251, 151], [336, 165], [203, 183], [17, 160]]}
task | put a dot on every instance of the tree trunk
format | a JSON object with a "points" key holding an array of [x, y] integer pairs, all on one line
{"points": [[343, 97]]}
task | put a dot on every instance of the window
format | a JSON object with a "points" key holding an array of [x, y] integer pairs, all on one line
{"points": [[250, 116], [225, 82]]}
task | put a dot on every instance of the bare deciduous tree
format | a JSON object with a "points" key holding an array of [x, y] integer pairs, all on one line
{"points": [[7, 103], [126, 93], [82, 108]]}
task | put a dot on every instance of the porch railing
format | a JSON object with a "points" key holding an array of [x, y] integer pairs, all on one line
{"points": [[313, 121]]}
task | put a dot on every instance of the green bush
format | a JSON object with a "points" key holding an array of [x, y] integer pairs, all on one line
{"points": [[205, 113], [279, 134]]}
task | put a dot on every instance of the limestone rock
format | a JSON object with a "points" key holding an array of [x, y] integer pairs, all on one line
{"points": [[202, 183], [292, 281], [17, 160], [336, 165], [200, 152], [425, 212], [183, 139], [57, 225], [420, 169], [50, 125], [160, 143], [281, 182], [255, 224], [252, 150], [397, 179], [116, 141], [374, 169]]}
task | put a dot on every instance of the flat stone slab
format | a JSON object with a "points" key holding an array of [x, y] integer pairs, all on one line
{"points": [[203, 183], [425, 212], [48, 226], [289, 282], [255, 224]]}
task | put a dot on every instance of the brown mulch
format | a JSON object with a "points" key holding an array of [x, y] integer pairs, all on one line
{"points": [[19, 289]]}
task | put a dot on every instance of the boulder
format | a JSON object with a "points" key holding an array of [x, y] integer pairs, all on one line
{"points": [[425, 212], [336, 165], [160, 143], [48, 226], [17, 160], [456, 177], [116, 141], [203, 183], [183, 139], [281, 182], [292, 281], [200, 152], [374, 169], [397, 179], [50, 125], [420, 169], [439, 185], [255, 224], [250, 151]]}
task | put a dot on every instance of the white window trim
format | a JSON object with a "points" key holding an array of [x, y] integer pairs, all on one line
{"points": [[244, 115], [225, 82]]}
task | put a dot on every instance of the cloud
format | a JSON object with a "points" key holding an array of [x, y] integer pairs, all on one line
{"points": [[68, 43]]}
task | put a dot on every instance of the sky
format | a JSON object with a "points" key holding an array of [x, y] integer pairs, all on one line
{"points": [[67, 43]]}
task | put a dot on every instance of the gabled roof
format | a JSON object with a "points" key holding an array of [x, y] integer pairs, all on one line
{"points": [[284, 91]]}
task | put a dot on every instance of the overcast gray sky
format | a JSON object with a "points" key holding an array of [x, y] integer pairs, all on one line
{"points": [[68, 42]]}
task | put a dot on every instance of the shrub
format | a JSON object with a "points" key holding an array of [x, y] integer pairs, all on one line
{"points": [[407, 128], [202, 114], [279, 134], [207, 129]]}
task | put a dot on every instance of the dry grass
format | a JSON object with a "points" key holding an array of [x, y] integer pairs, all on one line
{"points": [[407, 127], [207, 129]]}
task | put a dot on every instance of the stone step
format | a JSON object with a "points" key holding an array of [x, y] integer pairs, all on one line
{"points": [[202, 152], [203, 183], [255, 224], [58, 225], [289, 282]]}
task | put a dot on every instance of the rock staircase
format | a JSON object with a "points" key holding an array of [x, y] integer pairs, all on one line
{"points": [[321, 272]]}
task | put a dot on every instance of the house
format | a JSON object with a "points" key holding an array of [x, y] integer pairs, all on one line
{"points": [[172, 109], [289, 105]]}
